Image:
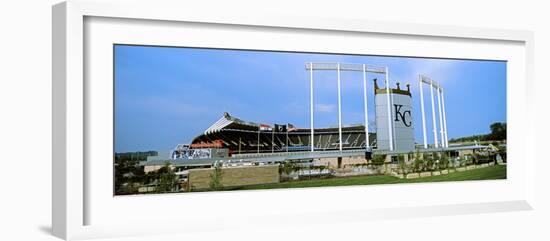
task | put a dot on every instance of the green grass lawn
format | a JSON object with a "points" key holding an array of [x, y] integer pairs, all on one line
{"points": [[488, 173]]}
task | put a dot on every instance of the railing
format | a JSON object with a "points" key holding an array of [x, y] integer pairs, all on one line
{"points": [[298, 153]]}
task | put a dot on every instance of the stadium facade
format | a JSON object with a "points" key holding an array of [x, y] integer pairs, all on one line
{"points": [[255, 153], [232, 139], [240, 136], [230, 136]]}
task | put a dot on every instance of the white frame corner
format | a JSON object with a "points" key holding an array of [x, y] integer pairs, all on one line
{"points": [[68, 151]]}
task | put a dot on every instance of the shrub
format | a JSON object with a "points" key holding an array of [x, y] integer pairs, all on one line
{"points": [[167, 179], [378, 160], [443, 161], [216, 178], [418, 164]]}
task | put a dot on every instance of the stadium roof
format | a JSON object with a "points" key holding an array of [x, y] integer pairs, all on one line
{"points": [[229, 121]]}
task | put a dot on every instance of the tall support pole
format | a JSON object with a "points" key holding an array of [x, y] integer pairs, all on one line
{"points": [[286, 139], [441, 128], [339, 109], [273, 140], [390, 117], [424, 137], [433, 114], [259, 139], [393, 123], [444, 118], [366, 108], [311, 103]]}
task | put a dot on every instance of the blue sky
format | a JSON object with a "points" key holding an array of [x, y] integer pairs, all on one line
{"points": [[165, 96]]}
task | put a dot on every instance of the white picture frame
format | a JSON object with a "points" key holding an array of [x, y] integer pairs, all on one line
{"points": [[71, 190]]}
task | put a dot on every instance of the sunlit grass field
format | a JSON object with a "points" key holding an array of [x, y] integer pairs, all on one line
{"points": [[488, 173]]}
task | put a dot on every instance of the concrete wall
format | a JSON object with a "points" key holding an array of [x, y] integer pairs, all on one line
{"points": [[234, 176], [333, 162], [463, 153]]}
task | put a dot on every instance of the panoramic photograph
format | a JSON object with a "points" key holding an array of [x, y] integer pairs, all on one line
{"points": [[190, 119]]}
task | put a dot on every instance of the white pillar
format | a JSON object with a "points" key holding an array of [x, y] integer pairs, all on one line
{"points": [[393, 121], [311, 104], [339, 109], [390, 117], [440, 117], [365, 104], [444, 118], [424, 137], [436, 143], [286, 140]]}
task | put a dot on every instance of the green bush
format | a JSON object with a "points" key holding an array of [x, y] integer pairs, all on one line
{"points": [[167, 179], [419, 163], [216, 178], [443, 161], [378, 160]]}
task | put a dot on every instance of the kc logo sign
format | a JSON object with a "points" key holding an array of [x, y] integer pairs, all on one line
{"points": [[404, 116]]}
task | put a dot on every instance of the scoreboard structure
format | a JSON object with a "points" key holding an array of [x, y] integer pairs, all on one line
{"points": [[393, 108], [399, 116]]}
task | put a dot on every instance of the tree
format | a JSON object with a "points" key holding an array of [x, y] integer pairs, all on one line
{"points": [[443, 161], [321, 168], [498, 131], [287, 167], [167, 179], [403, 166], [466, 160], [430, 161], [418, 163], [216, 177], [502, 153], [378, 160], [129, 175]]}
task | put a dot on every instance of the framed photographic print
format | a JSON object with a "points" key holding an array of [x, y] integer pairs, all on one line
{"points": [[270, 118], [160, 91]]}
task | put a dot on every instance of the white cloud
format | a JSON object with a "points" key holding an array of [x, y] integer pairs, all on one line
{"points": [[440, 69], [326, 108], [161, 105]]}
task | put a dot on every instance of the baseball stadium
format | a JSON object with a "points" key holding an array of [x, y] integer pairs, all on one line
{"points": [[239, 154]]}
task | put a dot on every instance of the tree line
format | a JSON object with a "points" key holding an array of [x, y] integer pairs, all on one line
{"points": [[498, 133], [129, 175]]}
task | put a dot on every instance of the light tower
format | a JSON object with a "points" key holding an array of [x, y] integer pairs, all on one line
{"points": [[338, 67], [441, 112]]}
